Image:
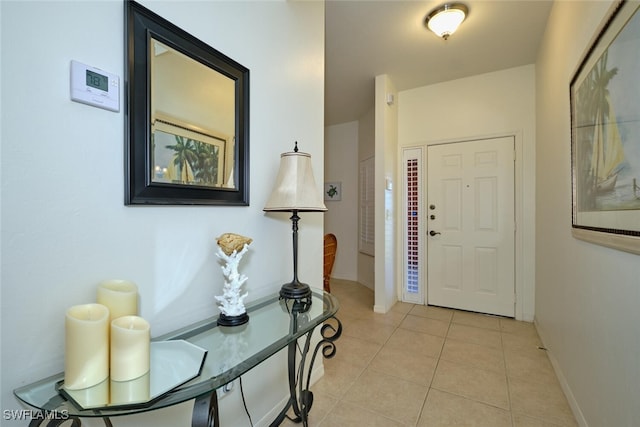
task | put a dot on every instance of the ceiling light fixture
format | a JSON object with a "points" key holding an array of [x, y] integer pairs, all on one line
{"points": [[446, 19]]}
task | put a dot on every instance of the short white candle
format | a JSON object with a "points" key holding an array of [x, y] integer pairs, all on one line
{"points": [[86, 361], [134, 391], [93, 397], [120, 296], [130, 348]]}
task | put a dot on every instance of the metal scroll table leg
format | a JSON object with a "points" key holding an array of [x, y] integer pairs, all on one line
{"points": [[75, 422], [205, 411], [293, 401], [300, 397]]}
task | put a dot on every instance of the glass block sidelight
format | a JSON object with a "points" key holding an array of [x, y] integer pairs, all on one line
{"points": [[412, 286]]}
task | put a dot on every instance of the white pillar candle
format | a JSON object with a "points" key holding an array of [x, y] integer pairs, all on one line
{"points": [[120, 296], [86, 361], [130, 348]]}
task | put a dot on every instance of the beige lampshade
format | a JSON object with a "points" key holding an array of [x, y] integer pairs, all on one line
{"points": [[295, 187]]}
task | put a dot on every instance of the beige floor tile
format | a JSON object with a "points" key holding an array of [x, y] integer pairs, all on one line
{"points": [[444, 409], [355, 350], [346, 414], [474, 383], [475, 335], [541, 401], [388, 396], [512, 326], [405, 365], [353, 302], [393, 318], [350, 303], [426, 325], [520, 420], [518, 342], [416, 342], [341, 287], [364, 297], [349, 325], [402, 307], [475, 355], [532, 366], [476, 319], [486, 371], [339, 375], [321, 407], [345, 317], [432, 312], [356, 311], [363, 329]]}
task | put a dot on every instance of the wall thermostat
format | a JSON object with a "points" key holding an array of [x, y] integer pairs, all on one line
{"points": [[93, 86]]}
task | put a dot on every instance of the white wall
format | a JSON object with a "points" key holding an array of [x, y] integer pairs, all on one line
{"points": [[492, 104], [366, 150], [386, 143], [341, 219], [586, 295], [64, 224]]}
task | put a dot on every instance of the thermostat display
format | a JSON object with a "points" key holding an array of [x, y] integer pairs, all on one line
{"points": [[93, 86], [98, 81]]}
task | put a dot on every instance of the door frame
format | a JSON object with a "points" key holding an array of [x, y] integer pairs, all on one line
{"points": [[524, 289]]}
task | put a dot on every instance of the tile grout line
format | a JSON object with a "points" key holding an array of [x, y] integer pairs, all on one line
{"points": [[339, 399], [429, 388], [397, 321], [506, 372]]}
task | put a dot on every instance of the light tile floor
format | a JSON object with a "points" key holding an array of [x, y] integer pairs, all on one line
{"points": [[429, 366]]}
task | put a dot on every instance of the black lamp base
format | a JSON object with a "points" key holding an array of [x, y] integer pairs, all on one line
{"points": [[296, 291]]}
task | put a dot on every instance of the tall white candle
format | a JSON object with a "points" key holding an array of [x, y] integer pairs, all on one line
{"points": [[86, 361], [120, 296], [130, 348]]}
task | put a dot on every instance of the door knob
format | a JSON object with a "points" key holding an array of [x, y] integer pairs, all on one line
{"points": [[433, 233]]}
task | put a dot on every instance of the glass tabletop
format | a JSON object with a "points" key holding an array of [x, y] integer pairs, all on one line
{"points": [[230, 352]]}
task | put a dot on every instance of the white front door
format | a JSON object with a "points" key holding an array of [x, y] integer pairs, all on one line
{"points": [[471, 226]]}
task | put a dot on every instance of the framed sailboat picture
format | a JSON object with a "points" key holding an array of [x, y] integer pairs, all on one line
{"points": [[605, 134]]}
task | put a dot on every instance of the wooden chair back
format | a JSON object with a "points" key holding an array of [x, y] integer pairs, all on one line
{"points": [[330, 249]]}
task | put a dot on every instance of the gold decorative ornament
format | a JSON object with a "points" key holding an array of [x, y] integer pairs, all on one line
{"points": [[230, 242]]}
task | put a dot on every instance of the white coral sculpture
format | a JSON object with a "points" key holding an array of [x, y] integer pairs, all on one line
{"points": [[231, 302]]}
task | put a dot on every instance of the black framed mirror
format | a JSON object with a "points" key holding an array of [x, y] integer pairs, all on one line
{"points": [[187, 117]]}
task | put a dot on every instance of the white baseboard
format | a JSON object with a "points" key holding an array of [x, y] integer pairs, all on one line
{"points": [[379, 309], [566, 389]]}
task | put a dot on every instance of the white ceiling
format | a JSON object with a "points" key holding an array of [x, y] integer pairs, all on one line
{"points": [[369, 38]]}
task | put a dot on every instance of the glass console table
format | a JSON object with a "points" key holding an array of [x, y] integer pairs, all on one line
{"points": [[274, 324]]}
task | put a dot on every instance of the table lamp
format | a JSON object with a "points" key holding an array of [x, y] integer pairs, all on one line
{"points": [[295, 191]]}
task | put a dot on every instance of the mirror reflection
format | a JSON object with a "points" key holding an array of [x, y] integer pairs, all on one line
{"points": [[187, 117], [192, 121]]}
